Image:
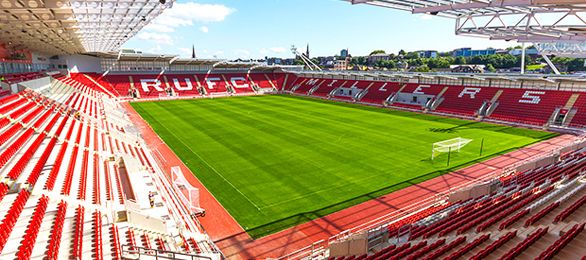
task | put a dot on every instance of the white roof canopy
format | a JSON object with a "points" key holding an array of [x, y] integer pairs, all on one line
{"points": [[441, 75], [512, 20], [77, 26]]}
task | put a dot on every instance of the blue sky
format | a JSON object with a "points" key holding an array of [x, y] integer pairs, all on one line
{"points": [[257, 28]]}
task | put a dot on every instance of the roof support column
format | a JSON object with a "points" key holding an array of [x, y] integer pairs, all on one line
{"points": [[551, 65], [523, 58]]}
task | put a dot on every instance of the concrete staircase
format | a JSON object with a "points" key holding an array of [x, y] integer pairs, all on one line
{"points": [[493, 103], [310, 92], [229, 86], [363, 93], [571, 110], [437, 100], [391, 99], [200, 88], [271, 82]]}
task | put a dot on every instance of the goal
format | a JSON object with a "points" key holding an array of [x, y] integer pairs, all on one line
{"points": [[187, 193], [448, 146]]}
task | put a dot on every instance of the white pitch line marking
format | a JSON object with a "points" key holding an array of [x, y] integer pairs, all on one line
{"points": [[211, 167]]}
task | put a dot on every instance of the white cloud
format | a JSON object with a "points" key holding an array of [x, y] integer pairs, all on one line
{"points": [[159, 28], [278, 49], [186, 14], [425, 17], [181, 15], [159, 38]]}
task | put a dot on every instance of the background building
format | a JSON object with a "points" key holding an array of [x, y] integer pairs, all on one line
{"points": [[373, 59], [469, 52], [428, 54]]}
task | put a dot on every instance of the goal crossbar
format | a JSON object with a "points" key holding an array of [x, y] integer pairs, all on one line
{"points": [[187, 193], [449, 145]]}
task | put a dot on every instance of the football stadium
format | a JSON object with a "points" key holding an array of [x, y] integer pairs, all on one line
{"points": [[112, 153]]}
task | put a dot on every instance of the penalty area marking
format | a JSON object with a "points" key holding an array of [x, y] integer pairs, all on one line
{"points": [[211, 167]]}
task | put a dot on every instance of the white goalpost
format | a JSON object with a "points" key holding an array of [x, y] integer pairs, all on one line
{"points": [[448, 146], [187, 193]]}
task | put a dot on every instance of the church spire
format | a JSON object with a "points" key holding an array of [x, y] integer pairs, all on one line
{"points": [[307, 51], [193, 51]]}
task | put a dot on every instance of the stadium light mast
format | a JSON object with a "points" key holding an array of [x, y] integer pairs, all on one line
{"points": [[310, 64]]}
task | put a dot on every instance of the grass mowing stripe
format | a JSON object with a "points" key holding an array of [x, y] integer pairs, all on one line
{"points": [[238, 114], [298, 159], [214, 169], [154, 119]]}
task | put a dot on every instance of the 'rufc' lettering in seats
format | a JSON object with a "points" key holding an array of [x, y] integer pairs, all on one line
{"points": [[155, 84], [382, 88], [180, 88], [419, 89], [148, 83], [311, 82], [529, 97], [211, 82], [239, 82], [470, 92]]}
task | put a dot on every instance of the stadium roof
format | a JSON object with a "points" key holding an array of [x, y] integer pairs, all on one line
{"points": [[74, 26], [521, 20], [566, 49], [452, 76], [130, 55]]}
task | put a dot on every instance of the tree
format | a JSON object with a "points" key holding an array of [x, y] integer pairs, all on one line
{"points": [[576, 65], [572, 64], [445, 54], [377, 52], [380, 64], [422, 68], [490, 68], [358, 60], [388, 64], [416, 62], [499, 61], [460, 61], [298, 62], [402, 53], [440, 62], [411, 55]]}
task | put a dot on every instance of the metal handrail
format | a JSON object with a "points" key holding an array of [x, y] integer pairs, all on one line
{"points": [[413, 209], [156, 253]]}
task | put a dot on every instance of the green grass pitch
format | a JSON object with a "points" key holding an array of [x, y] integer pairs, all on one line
{"points": [[277, 161]]}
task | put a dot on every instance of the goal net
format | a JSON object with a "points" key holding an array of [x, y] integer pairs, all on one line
{"points": [[187, 193], [448, 146]]}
